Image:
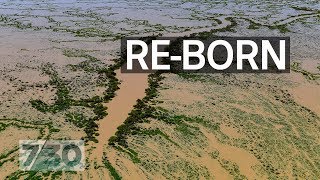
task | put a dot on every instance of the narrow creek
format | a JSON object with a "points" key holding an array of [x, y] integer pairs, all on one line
{"points": [[132, 88]]}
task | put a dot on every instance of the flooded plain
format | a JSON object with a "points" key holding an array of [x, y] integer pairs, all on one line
{"points": [[60, 80]]}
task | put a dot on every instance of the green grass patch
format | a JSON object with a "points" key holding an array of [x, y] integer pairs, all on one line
{"points": [[64, 100], [112, 170], [296, 66]]}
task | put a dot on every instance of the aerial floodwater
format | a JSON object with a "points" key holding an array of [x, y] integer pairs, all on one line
{"points": [[69, 111]]}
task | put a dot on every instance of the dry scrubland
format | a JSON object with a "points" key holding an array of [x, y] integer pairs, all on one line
{"points": [[58, 63]]}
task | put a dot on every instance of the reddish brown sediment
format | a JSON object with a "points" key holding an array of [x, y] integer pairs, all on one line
{"points": [[132, 88]]}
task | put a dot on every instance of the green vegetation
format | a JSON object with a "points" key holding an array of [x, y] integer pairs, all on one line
{"points": [[192, 76], [155, 132], [255, 25], [34, 125], [144, 112], [79, 53], [64, 100], [56, 175], [302, 8], [34, 175], [45, 127], [141, 112], [266, 143], [282, 28], [259, 132], [208, 34], [218, 21], [91, 32], [232, 168], [15, 23], [7, 160], [5, 157], [111, 169], [131, 153], [296, 66], [77, 119], [215, 154]]}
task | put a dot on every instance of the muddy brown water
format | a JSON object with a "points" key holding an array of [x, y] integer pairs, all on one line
{"points": [[132, 88]]}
